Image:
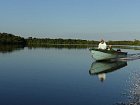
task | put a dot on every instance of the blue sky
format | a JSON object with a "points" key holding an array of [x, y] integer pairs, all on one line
{"points": [[84, 19]]}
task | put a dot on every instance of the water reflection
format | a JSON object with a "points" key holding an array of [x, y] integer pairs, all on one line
{"points": [[127, 47], [101, 68], [10, 48], [60, 46]]}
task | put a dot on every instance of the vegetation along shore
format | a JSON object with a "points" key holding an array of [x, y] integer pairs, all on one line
{"points": [[10, 39]]}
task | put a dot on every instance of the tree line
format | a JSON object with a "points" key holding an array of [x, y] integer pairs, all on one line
{"points": [[10, 39], [59, 41]]}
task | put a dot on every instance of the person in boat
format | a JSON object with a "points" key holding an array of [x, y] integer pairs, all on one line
{"points": [[102, 45], [109, 47]]}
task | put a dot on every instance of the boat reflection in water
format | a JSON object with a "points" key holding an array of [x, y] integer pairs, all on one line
{"points": [[101, 68]]}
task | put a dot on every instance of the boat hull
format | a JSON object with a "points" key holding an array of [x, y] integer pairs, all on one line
{"points": [[100, 55]]}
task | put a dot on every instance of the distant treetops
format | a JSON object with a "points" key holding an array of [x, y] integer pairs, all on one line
{"points": [[10, 39]]}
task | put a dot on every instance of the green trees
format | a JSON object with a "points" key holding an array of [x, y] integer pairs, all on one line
{"points": [[135, 42], [10, 39], [59, 41]]}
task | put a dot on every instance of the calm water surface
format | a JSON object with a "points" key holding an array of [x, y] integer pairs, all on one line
{"points": [[52, 76]]}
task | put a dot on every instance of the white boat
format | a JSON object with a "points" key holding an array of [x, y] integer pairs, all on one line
{"points": [[101, 55]]}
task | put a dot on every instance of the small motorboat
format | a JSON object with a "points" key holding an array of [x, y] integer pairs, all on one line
{"points": [[102, 55]]}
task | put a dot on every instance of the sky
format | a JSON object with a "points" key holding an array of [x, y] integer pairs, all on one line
{"points": [[75, 19]]}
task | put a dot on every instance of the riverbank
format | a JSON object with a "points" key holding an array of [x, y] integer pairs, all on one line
{"points": [[10, 39]]}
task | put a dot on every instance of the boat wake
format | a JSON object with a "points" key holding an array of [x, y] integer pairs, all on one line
{"points": [[131, 57], [132, 91]]}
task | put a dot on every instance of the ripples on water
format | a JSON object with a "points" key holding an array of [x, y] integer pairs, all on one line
{"points": [[132, 89]]}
